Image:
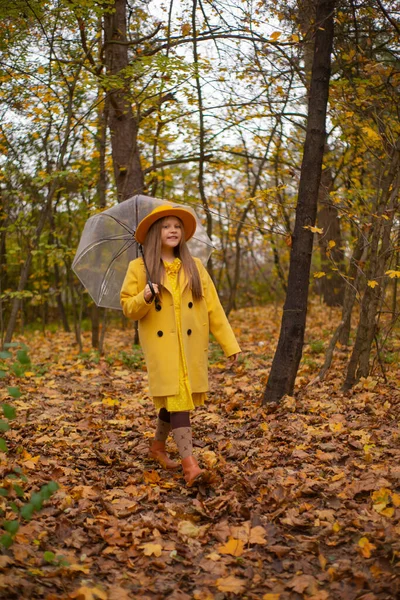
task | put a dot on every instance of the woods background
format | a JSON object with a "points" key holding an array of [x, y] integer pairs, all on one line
{"points": [[207, 103]]}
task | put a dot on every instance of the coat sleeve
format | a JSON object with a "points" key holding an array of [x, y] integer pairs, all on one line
{"points": [[219, 324], [132, 299]]}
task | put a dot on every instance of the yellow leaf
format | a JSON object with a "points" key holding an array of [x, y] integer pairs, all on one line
{"points": [[366, 547], [336, 427], [395, 499], [275, 35], [372, 283], [322, 561], [86, 593], [151, 549], [336, 527], [29, 373], [233, 547], [271, 597], [294, 37], [151, 477], [319, 274], [209, 458], [392, 274], [186, 29], [110, 401], [371, 133], [231, 584], [314, 229], [41, 70], [331, 244]]}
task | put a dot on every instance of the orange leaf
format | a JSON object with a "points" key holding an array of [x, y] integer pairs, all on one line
{"points": [[233, 547], [231, 584]]}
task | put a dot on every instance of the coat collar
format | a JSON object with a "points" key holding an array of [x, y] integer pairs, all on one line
{"points": [[183, 281]]}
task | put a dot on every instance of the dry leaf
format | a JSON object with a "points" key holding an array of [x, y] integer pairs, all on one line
{"points": [[233, 547], [86, 593], [231, 584], [151, 549]]}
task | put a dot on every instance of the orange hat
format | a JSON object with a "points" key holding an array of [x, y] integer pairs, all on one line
{"points": [[184, 214]]}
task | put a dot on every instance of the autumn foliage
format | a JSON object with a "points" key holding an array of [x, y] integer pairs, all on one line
{"points": [[303, 503]]}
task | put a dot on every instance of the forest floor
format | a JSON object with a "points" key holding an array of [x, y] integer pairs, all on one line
{"points": [[304, 502]]}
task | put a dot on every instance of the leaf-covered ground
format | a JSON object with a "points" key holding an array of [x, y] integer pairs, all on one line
{"points": [[304, 502]]}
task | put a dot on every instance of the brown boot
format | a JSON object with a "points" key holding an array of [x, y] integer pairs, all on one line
{"points": [[157, 452], [192, 472]]}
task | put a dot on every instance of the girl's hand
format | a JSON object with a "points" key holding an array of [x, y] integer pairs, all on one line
{"points": [[233, 358], [147, 292]]}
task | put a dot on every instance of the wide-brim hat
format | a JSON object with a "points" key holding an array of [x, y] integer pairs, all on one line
{"points": [[185, 215]]}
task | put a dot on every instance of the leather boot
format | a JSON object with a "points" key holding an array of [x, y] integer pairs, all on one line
{"points": [[157, 452], [192, 472]]}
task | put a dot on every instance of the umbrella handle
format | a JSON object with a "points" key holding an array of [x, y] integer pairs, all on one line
{"points": [[153, 293]]}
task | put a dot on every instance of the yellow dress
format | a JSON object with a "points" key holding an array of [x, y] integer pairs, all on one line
{"points": [[185, 400]]}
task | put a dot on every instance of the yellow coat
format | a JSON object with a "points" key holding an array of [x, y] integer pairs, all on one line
{"points": [[158, 329]]}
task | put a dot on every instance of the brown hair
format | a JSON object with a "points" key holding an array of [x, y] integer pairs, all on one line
{"points": [[152, 254]]}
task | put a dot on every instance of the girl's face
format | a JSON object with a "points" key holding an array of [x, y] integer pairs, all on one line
{"points": [[171, 232]]}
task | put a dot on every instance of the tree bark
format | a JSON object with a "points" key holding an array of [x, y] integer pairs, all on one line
{"points": [[332, 286], [123, 124], [290, 345], [379, 256]]}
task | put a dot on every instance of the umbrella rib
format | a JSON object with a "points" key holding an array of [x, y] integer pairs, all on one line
{"points": [[125, 247], [123, 225], [121, 236]]}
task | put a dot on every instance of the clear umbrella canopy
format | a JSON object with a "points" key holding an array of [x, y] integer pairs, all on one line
{"points": [[107, 246]]}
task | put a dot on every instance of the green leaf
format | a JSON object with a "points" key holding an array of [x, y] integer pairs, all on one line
{"points": [[49, 557], [11, 345], [17, 369], [11, 526], [3, 374], [6, 540], [4, 426], [36, 500], [53, 486], [14, 507], [27, 511], [23, 358], [3, 492], [5, 355], [9, 411], [3, 445], [18, 490], [14, 392]]}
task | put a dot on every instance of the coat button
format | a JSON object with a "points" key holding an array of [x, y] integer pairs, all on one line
{"points": [[160, 333], [189, 332], [190, 304]]}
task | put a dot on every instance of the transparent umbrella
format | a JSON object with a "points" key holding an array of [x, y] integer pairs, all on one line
{"points": [[107, 246]]}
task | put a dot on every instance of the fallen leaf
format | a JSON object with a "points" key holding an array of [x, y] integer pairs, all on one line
{"points": [[151, 549], [231, 584], [233, 547]]}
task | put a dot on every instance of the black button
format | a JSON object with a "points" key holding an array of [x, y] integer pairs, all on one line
{"points": [[158, 307], [189, 332], [190, 304], [160, 333]]}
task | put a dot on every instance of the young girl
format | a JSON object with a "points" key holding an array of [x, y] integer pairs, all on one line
{"points": [[174, 328]]}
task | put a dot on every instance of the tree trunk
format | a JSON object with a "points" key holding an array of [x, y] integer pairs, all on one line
{"points": [[290, 345], [123, 124], [379, 256], [332, 286]]}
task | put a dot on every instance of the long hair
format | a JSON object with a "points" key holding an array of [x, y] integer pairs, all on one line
{"points": [[152, 254]]}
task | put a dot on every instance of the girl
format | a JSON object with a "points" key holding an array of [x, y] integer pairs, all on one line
{"points": [[174, 325]]}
